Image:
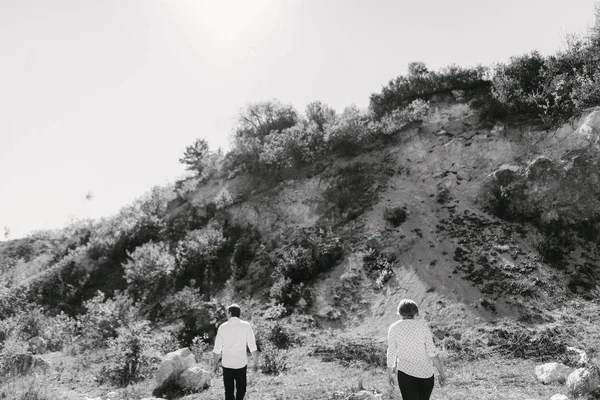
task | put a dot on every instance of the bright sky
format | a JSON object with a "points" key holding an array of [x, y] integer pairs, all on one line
{"points": [[104, 96]]}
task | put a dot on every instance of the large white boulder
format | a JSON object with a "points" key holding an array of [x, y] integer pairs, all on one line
{"points": [[552, 372], [174, 363], [559, 397], [582, 381], [194, 378]]}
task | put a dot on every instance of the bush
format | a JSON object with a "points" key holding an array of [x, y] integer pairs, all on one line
{"points": [[147, 272], [523, 343], [350, 352], [298, 265], [395, 215], [349, 192], [103, 318], [201, 321], [351, 132], [273, 361], [515, 83], [422, 83], [197, 257], [180, 304], [128, 355], [375, 263]]}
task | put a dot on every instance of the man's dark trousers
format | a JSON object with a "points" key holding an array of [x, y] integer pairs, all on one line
{"points": [[238, 376]]}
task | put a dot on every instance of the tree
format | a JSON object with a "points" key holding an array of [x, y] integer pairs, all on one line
{"points": [[6, 232], [195, 156], [320, 113], [417, 68], [260, 119], [258, 127]]}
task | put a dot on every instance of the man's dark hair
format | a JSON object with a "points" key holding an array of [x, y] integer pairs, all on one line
{"points": [[234, 310]]}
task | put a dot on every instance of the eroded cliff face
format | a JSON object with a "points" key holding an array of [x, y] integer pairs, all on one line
{"points": [[471, 192], [560, 187]]}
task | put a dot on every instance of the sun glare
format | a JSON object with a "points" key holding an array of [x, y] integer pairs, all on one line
{"points": [[227, 22]]}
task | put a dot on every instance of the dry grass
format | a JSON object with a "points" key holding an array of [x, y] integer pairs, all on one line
{"points": [[307, 378]]}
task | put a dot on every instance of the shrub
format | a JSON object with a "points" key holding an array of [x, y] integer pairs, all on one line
{"points": [[349, 193], [128, 355], [350, 132], [422, 83], [59, 331], [397, 119], [544, 345], [103, 318], [147, 272], [197, 257], [375, 263], [354, 351], [201, 321], [297, 265], [395, 215], [515, 83], [273, 361], [255, 123], [320, 114], [180, 304], [199, 346]]}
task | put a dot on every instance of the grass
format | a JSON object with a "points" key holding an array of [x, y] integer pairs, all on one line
{"points": [[307, 377]]}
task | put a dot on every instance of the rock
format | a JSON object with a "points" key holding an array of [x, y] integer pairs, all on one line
{"points": [[440, 334], [330, 313], [457, 94], [582, 381], [174, 364], [559, 397], [552, 372], [365, 395], [302, 303], [111, 395], [583, 358], [194, 378], [37, 345]]}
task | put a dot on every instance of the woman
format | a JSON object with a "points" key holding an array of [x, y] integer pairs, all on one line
{"points": [[412, 353]]}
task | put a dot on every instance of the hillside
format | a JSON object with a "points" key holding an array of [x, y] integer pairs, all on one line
{"points": [[492, 228]]}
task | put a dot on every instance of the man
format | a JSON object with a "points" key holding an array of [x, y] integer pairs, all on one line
{"points": [[232, 338]]}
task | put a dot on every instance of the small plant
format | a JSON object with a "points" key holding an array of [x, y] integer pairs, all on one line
{"points": [[443, 195], [395, 215], [129, 358], [279, 336], [199, 346], [273, 360]]}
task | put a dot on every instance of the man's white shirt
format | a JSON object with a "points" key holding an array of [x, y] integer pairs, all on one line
{"points": [[232, 338]]}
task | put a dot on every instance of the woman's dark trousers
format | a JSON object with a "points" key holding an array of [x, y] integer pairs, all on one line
{"points": [[413, 388]]}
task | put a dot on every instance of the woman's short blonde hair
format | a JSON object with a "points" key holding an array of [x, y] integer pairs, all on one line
{"points": [[407, 308]]}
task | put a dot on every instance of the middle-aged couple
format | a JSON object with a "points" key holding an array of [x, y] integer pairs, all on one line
{"points": [[411, 354]]}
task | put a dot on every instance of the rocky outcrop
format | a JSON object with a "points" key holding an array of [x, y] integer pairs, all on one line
{"points": [[552, 372], [565, 191]]}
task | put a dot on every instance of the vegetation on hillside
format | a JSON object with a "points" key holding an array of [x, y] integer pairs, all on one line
{"points": [[144, 281]]}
